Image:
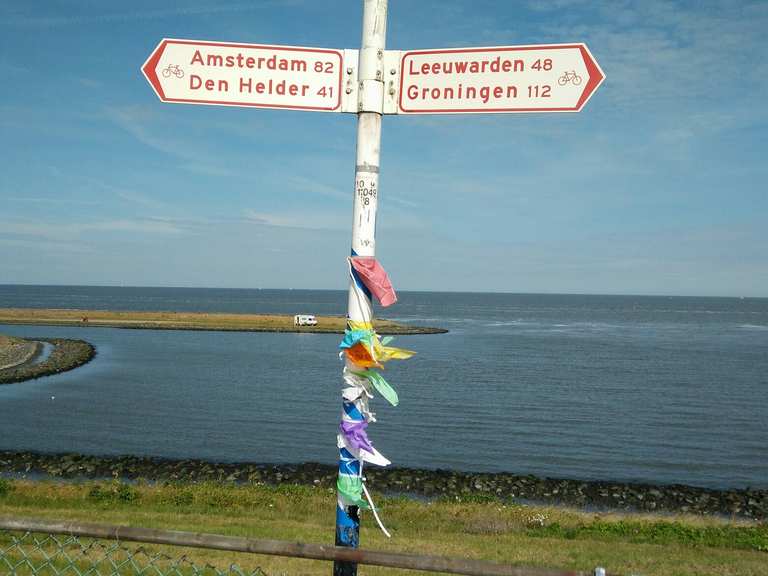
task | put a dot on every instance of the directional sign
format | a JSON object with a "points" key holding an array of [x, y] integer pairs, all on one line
{"points": [[556, 78], [229, 74]]}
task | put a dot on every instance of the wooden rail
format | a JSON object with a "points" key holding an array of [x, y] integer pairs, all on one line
{"points": [[278, 548]]}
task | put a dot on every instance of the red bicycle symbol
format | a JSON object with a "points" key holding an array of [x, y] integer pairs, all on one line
{"points": [[173, 69], [569, 77]]}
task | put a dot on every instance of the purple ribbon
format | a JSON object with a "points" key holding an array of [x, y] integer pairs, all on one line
{"points": [[355, 433]]}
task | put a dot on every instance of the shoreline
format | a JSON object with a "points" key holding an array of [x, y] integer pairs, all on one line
{"points": [[67, 354], [195, 321], [745, 503]]}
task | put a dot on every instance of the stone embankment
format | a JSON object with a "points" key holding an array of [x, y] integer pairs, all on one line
{"points": [[597, 495], [66, 355], [16, 351]]}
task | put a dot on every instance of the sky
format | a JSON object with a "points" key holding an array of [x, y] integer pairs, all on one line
{"points": [[658, 186]]}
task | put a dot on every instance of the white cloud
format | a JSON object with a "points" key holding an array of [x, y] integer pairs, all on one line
{"points": [[141, 121], [77, 230], [34, 20], [51, 200], [305, 220], [312, 186], [47, 246], [90, 82]]}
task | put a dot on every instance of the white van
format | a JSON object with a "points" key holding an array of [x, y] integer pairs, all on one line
{"points": [[304, 320]]}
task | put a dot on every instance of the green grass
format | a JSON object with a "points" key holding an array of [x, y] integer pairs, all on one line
{"points": [[8, 340], [509, 533], [14, 350]]}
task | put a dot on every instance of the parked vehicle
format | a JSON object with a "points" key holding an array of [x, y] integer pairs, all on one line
{"points": [[304, 320]]}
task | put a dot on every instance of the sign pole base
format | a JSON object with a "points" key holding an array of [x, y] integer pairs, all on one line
{"points": [[347, 535]]}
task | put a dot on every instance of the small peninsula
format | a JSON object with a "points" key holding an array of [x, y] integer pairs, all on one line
{"points": [[194, 321], [27, 359]]}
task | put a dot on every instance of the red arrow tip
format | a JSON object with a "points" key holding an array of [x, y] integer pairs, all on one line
{"points": [[150, 69], [596, 76]]}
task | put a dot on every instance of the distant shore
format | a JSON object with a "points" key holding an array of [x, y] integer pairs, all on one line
{"points": [[194, 321], [453, 485], [65, 355]]}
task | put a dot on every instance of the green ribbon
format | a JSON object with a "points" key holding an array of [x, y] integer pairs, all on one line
{"points": [[381, 385], [351, 487]]}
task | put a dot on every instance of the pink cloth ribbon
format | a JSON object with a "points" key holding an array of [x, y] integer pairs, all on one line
{"points": [[375, 278]]}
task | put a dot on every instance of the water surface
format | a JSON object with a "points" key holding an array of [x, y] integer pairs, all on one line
{"points": [[651, 389]]}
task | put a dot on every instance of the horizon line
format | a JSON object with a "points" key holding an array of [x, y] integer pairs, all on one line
{"points": [[494, 292]]}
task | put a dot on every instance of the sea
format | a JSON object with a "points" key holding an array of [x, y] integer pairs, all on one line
{"points": [[651, 389]]}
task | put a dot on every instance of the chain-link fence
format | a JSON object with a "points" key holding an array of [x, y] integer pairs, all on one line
{"points": [[52, 548], [27, 553]]}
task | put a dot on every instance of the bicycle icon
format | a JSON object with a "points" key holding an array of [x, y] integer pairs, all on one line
{"points": [[173, 69], [569, 77]]}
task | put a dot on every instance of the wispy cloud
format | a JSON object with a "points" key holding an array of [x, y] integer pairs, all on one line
{"points": [[134, 120], [9, 67], [663, 55], [51, 200], [141, 226], [138, 122], [554, 5], [90, 82], [48, 246], [312, 186], [140, 199], [205, 169], [400, 201], [34, 20], [74, 230], [310, 220]]}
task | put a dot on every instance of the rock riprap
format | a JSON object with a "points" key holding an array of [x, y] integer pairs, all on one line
{"points": [[65, 355], [749, 503]]}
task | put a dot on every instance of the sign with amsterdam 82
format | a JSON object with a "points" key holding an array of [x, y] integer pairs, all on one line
{"points": [[227, 74]]}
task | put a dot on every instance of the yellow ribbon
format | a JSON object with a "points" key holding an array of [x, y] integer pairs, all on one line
{"points": [[380, 353]]}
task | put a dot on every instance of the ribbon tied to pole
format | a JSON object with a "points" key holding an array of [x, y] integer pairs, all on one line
{"points": [[366, 354]]}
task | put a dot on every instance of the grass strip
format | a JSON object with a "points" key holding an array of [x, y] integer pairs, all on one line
{"points": [[514, 534]]}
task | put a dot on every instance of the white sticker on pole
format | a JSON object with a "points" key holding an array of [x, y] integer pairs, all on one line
{"points": [[227, 74]]}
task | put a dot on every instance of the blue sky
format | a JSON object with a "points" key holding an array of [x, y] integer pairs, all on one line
{"points": [[657, 187]]}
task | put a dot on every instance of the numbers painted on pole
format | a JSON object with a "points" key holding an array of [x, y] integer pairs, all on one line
{"points": [[366, 190], [364, 227]]}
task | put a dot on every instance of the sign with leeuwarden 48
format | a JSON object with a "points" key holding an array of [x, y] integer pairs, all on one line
{"points": [[556, 78], [228, 74]]}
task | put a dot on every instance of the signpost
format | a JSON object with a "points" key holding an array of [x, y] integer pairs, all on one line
{"points": [[227, 74], [372, 82], [558, 78]]}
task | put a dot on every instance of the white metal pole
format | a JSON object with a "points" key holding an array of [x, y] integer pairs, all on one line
{"points": [[360, 310]]}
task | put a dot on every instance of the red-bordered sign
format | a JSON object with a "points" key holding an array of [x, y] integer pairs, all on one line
{"points": [[253, 75], [546, 78]]}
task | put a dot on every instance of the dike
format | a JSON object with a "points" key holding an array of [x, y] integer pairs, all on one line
{"points": [[66, 355], [443, 484]]}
